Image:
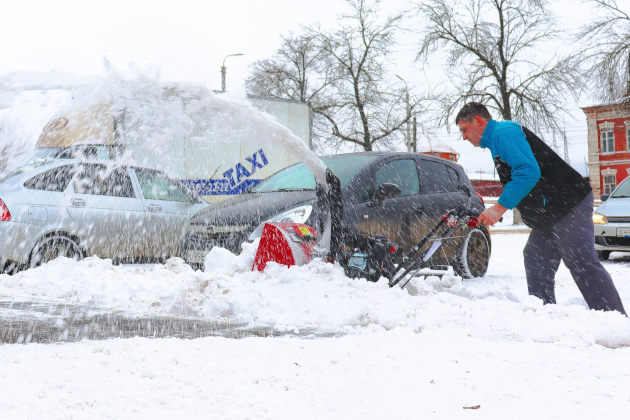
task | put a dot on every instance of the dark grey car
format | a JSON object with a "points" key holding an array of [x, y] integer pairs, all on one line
{"points": [[429, 187]]}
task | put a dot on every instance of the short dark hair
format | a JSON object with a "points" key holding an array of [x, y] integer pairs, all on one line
{"points": [[472, 110]]}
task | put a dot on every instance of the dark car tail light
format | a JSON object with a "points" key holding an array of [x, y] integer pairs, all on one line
{"points": [[5, 215]]}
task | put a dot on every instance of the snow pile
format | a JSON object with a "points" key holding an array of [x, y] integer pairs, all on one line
{"points": [[319, 296]]}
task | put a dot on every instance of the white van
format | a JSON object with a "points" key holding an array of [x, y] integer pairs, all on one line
{"points": [[185, 130]]}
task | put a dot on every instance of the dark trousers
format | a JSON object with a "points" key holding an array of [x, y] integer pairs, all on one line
{"points": [[571, 240]]}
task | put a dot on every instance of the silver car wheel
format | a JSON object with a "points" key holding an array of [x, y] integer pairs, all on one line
{"points": [[53, 247]]}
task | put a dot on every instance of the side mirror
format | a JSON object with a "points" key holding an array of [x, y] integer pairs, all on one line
{"points": [[385, 191], [604, 197]]}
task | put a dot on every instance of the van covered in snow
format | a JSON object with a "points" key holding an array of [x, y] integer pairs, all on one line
{"points": [[195, 135]]}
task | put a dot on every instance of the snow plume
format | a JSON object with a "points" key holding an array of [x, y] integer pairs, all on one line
{"points": [[318, 296]]}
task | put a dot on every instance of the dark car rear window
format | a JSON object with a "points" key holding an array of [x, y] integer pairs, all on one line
{"points": [[299, 177], [436, 177]]}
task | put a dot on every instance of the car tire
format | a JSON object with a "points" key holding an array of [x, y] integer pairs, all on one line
{"points": [[475, 255], [603, 255], [55, 246]]}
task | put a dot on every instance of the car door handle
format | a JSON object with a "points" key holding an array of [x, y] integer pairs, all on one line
{"points": [[154, 208], [419, 210], [78, 202]]}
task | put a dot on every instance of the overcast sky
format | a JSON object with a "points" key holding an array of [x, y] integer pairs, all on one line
{"points": [[188, 40]]}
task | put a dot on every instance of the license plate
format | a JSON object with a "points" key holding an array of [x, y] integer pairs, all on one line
{"points": [[358, 261], [196, 257], [623, 232]]}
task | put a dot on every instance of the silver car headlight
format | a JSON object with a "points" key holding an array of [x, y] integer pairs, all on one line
{"points": [[599, 219], [296, 215]]}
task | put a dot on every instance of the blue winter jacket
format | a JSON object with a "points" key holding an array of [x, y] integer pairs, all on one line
{"points": [[506, 141]]}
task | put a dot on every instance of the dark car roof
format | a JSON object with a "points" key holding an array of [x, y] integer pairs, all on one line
{"points": [[389, 153]]}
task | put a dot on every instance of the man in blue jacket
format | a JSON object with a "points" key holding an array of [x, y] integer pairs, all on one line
{"points": [[553, 199]]}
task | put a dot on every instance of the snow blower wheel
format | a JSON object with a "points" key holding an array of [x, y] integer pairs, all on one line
{"points": [[475, 256]]}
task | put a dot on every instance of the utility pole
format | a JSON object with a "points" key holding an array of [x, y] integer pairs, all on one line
{"points": [[223, 70], [415, 135], [566, 144], [408, 141], [555, 144]]}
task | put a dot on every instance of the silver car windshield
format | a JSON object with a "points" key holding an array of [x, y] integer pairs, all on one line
{"points": [[622, 191], [299, 177]]}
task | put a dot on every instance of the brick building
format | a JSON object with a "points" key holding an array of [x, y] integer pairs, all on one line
{"points": [[608, 146], [437, 148], [488, 185]]}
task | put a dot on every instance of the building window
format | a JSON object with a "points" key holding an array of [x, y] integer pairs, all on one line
{"points": [[610, 182], [608, 142], [628, 139]]}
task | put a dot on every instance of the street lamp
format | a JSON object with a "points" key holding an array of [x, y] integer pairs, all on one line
{"points": [[223, 70], [408, 136]]}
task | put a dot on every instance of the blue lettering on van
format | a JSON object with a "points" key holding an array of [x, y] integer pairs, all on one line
{"points": [[236, 179]]}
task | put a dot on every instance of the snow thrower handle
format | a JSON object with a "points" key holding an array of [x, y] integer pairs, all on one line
{"points": [[408, 264]]}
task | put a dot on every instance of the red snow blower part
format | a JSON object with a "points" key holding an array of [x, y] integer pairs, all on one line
{"points": [[285, 243]]}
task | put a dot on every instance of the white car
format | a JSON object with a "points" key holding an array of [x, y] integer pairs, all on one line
{"points": [[612, 222], [78, 208]]}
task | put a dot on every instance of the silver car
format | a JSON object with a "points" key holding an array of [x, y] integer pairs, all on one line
{"points": [[612, 222], [77, 208]]}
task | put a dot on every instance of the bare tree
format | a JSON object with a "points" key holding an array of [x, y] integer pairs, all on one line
{"points": [[493, 56], [368, 110], [344, 74], [12, 147], [299, 70], [296, 71], [607, 52]]}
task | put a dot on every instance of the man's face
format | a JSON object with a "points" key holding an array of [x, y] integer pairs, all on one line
{"points": [[473, 130]]}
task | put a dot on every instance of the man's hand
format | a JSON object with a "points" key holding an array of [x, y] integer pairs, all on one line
{"points": [[492, 215]]}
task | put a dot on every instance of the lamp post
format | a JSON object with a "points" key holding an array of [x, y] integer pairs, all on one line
{"points": [[223, 70], [408, 134]]}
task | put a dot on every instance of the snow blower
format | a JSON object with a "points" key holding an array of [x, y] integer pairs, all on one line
{"points": [[376, 257], [298, 244]]}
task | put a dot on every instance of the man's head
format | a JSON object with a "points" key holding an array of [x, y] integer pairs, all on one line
{"points": [[472, 120]]}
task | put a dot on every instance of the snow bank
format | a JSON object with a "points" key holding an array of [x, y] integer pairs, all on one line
{"points": [[319, 296]]}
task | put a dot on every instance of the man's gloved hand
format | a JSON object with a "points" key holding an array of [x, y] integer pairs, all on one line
{"points": [[492, 215]]}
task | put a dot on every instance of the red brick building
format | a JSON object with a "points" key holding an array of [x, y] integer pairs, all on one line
{"points": [[488, 185], [438, 148], [608, 146]]}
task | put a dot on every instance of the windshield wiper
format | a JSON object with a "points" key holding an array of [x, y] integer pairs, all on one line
{"points": [[295, 189]]}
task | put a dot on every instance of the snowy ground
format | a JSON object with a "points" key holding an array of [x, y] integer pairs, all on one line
{"points": [[428, 351]]}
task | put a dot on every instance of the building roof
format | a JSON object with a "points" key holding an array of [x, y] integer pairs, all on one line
{"points": [[429, 145]]}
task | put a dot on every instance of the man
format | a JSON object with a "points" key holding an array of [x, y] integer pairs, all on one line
{"points": [[554, 200]]}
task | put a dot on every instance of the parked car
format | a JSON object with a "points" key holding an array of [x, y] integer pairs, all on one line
{"points": [[79, 151], [427, 187], [612, 222], [77, 208]]}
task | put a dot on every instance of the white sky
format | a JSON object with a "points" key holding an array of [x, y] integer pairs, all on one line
{"points": [[187, 41]]}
